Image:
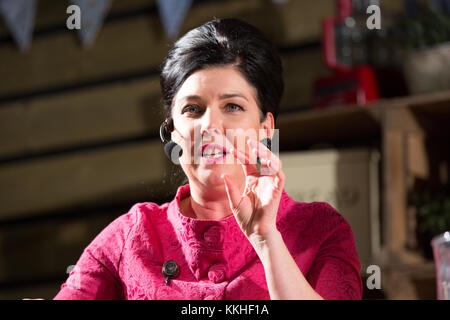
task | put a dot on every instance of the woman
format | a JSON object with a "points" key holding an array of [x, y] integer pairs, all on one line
{"points": [[232, 232]]}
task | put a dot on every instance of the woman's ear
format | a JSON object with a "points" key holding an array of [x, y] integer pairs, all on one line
{"points": [[176, 137], [268, 124], [174, 134]]}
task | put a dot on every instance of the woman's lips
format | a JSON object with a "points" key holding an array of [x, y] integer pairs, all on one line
{"points": [[213, 153]]}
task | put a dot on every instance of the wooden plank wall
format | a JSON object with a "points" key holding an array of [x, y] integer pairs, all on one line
{"points": [[78, 126]]}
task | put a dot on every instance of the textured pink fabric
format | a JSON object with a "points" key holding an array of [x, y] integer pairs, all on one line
{"points": [[215, 258]]}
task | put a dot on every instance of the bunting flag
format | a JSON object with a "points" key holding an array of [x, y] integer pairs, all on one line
{"points": [[93, 13], [19, 18], [172, 13]]}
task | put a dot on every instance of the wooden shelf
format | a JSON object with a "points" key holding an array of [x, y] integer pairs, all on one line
{"points": [[339, 124], [399, 127], [306, 129]]}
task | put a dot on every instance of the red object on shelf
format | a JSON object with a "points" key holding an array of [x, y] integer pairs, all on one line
{"points": [[349, 84], [329, 36], [357, 85]]}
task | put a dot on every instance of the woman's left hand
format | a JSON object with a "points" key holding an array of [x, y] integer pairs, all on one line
{"points": [[256, 209]]}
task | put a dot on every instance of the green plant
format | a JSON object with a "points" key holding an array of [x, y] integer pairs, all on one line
{"points": [[427, 28], [433, 216]]}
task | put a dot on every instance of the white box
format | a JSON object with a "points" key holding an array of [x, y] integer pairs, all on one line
{"points": [[345, 179]]}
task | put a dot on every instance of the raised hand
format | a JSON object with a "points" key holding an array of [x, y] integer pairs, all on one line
{"points": [[256, 209]]}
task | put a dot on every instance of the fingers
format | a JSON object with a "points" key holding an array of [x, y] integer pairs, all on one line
{"points": [[259, 161], [248, 164], [267, 158]]}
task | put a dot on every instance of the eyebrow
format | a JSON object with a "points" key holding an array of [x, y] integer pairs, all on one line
{"points": [[221, 97]]}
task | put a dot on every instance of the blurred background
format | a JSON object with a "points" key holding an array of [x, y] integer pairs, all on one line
{"points": [[364, 125]]}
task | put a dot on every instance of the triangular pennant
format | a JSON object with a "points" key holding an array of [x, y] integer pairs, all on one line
{"points": [[92, 13], [19, 17], [172, 13]]}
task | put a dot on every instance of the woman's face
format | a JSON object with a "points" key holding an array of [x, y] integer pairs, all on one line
{"points": [[214, 109]]}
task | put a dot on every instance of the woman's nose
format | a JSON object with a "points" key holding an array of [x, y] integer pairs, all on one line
{"points": [[211, 123]]}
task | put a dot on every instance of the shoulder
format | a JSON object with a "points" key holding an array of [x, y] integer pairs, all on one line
{"points": [[323, 214], [330, 225], [140, 213], [310, 213], [137, 214], [96, 274], [316, 221], [109, 243]]}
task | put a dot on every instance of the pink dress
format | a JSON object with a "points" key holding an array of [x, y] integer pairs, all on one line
{"points": [[215, 259]]}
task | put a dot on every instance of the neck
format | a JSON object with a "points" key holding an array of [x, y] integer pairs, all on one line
{"points": [[207, 203]]}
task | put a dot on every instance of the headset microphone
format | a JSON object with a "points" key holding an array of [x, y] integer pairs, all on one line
{"points": [[172, 150]]}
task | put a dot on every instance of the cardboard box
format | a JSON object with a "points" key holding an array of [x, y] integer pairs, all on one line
{"points": [[348, 180]]}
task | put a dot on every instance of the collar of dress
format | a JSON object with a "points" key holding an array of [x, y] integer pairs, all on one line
{"points": [[214, 249]]}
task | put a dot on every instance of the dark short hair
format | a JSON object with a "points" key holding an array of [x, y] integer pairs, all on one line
{"points": [[222, 42]]}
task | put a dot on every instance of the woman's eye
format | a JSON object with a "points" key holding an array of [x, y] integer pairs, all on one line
{"points": [[231, 107], [192, 108]]}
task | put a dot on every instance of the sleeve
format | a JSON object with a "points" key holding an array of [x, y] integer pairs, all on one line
{"points": [[335, 273], [96, 276]]}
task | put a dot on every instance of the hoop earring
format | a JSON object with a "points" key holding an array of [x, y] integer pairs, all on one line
{"points": [[172, 150], [165, 130]]}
